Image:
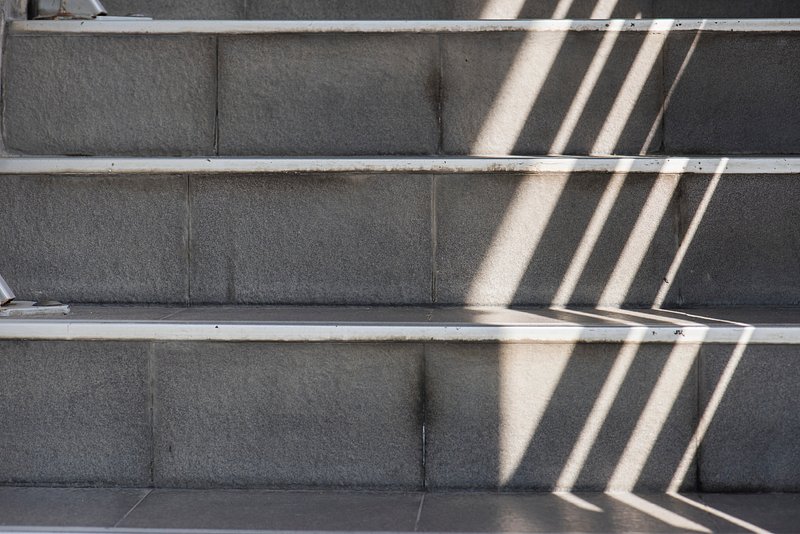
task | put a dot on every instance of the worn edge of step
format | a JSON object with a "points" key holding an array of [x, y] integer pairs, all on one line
{"points": [[402, 26], [554, 325], [435, 165]]}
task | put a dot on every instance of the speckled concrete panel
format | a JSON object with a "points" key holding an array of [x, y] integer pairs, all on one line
{"points": [[549, 9], [726, 9], [178, 9], [329, 95], [534, 93], [559, 417], [752, 399], [280, 415], [743, 250], [577, 239], [110, 95], [322, 239], [95, 239], [75, 413], [732, 93], [346, 9]]}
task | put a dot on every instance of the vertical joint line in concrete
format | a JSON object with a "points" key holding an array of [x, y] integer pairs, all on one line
{"points": [[150, 413], [440, 95], [3, 47], [423, 395], [188, 299], [698, 480], [216, 95], [434, 238], [680, 229], [244, 9]]}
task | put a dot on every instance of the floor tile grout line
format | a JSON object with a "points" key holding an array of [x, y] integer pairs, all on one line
{"points": [[171, 314], [419, 513], [135, 506]]}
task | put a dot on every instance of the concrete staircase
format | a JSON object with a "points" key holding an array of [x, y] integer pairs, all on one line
{"points": [[429, 251]]}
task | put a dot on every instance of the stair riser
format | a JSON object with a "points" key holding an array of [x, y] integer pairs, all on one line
{"points": [[377, 94], [513, 416], [481, 239], [450, 9]]}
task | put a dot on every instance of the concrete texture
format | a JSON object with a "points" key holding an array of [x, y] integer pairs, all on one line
{"points": [[744, 249], [178, 9], [585, 512], [515, 239], [345, 239], [451, 9], [773, 512], [547, 9], [278, 511], [328, 95], [95, 239], [516, 416], [261, 415], [347, 9], [725, 9], [752, 443], [271, 511], [736, 95], [74, 413], [139, 96], [66, 507], [500, 95]]}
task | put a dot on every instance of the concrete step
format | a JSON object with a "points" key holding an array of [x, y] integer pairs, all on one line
{"points": [[407, 231], [451, 9], [403, 398], [322, 88], [145, 511]]}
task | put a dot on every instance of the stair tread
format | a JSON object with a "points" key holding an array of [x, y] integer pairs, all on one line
{"points": [[163, 510]]}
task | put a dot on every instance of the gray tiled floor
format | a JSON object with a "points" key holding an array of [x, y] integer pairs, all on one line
{"points": [[142, 510]]}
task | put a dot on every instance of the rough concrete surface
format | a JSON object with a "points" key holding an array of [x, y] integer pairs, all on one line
{"points": [[732, 93], [578, 239], [262, 415], [178, 9], [744, 248], [559, 417], [347, 239], [751, 444], [95, 239], [287, 511], [75, 413], [110, 95], [539, 93], [328, 95]]}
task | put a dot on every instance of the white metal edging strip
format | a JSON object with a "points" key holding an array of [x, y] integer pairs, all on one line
{"points": [[232, 27], [438, 165], [164, 331]]}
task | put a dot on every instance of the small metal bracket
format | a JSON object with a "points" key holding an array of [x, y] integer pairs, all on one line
{"points": [[67, 9], [6, 294], [9, 307], [24, 308]]}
